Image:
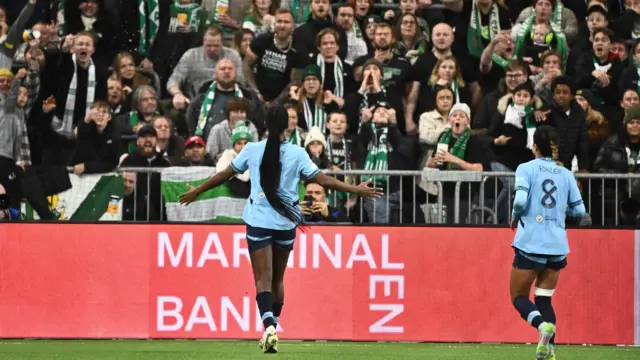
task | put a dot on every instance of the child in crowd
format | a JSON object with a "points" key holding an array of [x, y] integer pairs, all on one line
{"points": [[315, 144]]}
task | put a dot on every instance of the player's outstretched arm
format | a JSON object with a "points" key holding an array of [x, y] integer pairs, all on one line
{"points": [[362, 190], [216, 180]]}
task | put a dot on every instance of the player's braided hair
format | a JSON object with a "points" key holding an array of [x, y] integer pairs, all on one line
{"points": [[270, 167], [546, 140]]}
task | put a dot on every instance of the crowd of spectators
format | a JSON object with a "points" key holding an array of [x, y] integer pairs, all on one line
{"points": [[453, 85]]}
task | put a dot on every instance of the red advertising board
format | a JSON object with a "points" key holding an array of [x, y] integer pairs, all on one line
{"points": [[343, 283]]}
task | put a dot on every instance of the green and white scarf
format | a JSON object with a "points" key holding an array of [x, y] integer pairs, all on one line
{"points": [[557, 14], [356, 28], [456, 92], [209, 97], [316, 118], [193, 16], [525, 30], [64, 126], [148, 10], [514, 115], [638, 71], [134, 119], [475, 44], [459, 148], [377, 155], [295, 137], [300, 17], [60, 17], [605, 69], [338, 75]]}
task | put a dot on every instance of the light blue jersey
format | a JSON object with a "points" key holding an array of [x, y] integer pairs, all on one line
{"points": [[545, 194], [295, 164]]}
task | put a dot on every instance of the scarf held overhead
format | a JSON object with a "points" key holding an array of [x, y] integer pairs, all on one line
{"points": [[209, 97], [149, 24], [377, 155], [184, 15], [64, 127]]}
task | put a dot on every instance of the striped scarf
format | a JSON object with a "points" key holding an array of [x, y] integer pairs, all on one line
{"points": [[148, 10], [60, 18], [377, 155], [317, 118], [338, 75], [64, 127], [459, 147], [209, 97]]}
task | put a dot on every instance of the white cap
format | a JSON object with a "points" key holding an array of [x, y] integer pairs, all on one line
{"points": [[461, 107]]}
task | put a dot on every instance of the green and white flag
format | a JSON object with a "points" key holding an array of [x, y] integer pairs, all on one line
{"points": [[216, 205], [91, 198]]}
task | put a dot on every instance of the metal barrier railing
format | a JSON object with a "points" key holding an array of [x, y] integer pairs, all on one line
{"points": [[414, 197]]}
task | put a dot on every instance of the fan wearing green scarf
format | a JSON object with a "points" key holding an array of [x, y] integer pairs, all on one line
{"points": [[499, 52], [452, 145], [185, 17], [375, 130], [549, 12], [553, 12]]}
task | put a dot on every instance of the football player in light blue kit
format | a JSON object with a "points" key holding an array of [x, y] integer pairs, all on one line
{"points": [[273, 213], [545, 193]]}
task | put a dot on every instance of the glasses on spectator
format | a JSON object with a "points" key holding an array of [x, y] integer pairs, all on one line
{"points": [[514, 76]]}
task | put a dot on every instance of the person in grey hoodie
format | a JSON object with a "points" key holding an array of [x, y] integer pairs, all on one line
{"points": [[14, 37], [14, 142]]}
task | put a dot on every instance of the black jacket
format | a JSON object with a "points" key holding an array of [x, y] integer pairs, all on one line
{"points": [[488, 108], [103, 30], [148, 189], [610, 95], [612, 157], [572, 135], [304, 37], [400, 154], [99, 152], [335, 216], [353, 105]]}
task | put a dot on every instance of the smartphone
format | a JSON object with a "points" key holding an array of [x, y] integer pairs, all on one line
{"points": [[309, 200]]}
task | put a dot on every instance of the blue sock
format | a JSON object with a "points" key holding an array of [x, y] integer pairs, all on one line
{"points": [[265, 304], [546, 309], [528, 311], [277, 310]]}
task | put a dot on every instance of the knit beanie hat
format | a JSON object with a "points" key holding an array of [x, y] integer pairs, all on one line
{"points": [[587, 94], [461, 107], [633, 113], [312, 70], [6, 73], [372, 62], [241, 132], [315, 134]]}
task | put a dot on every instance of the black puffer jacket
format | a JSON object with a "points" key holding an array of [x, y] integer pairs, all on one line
{"points": [[572, 134], [612, 157]]}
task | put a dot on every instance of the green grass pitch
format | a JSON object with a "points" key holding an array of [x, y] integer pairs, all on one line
{"points": [[240, 350]]}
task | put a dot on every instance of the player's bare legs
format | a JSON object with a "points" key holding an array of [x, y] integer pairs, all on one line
{"points": [[546, 283]]}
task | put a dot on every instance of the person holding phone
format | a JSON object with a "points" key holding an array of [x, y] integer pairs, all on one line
{"points": [[316, 209]]}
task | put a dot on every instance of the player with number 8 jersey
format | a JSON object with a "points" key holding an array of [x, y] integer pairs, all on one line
{"points": [[545, 193]]}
